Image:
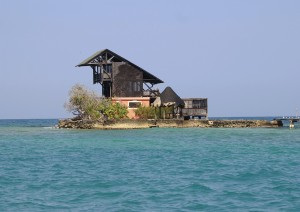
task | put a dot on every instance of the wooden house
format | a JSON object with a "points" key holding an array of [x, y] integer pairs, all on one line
{"points": [[195, 108], [132, 86], [122, 80]]}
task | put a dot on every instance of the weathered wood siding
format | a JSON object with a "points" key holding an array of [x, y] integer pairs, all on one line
{"points": [[195, 107], [127, 81]]}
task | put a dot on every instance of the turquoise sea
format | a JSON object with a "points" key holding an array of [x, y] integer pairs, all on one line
{"points": [[43, 168]]}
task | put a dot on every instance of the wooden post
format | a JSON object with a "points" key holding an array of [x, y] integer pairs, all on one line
{"points": [[173, 114], [292, 125], [159, 112]]}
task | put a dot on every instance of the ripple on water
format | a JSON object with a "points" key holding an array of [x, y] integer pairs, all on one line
{"points": [[151, 169]]}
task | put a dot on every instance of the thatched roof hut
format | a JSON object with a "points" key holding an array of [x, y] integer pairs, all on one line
{"points": [[168, 98]]}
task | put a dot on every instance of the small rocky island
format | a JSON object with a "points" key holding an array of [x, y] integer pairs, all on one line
{"points": [[95, 112], [150, 123], [129, 101]]}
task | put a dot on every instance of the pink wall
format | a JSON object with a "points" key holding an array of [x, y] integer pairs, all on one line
{"points": [[132, 102]]}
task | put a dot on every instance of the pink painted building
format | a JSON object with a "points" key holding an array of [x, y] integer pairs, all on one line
{"points": [[132, 103]]}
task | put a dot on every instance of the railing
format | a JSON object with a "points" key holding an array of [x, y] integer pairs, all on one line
{"points": [[150, 93], [194, 112]]}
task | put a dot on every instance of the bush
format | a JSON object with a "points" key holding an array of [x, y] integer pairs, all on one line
{"points": [[114, 110], [145, 112], [88, 105]]}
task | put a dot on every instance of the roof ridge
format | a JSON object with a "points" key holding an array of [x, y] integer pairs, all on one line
{"points": [[96, 54]]}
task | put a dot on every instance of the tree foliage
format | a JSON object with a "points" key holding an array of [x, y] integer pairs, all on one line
{"points": [[114, 110], [153, 113], [145, 112], [87, 104]]}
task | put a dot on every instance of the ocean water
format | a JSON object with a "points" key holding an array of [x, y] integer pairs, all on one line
{"points": [[43, 168]]}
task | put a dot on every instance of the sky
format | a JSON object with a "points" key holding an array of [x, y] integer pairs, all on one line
{"points": [[241, 55]]}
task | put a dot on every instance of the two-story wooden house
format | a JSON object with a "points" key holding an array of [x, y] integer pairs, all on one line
{"points": [[122, 80]]}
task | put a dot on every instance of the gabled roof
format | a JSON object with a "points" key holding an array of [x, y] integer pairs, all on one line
{"points": [[95, 60], [169, 96]]}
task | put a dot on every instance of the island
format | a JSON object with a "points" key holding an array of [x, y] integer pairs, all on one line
{"points": [[130, 101]]}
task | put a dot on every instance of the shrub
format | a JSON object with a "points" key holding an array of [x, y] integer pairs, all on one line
{"points": [[88, 105], [153, 113], [114, 110], [145, 112]]}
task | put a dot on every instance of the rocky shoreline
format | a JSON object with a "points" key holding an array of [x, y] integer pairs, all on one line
{"points": [[172, 123]]}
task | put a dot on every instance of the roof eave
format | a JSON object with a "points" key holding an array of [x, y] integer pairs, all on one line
{"points": [[86, 62], [154, 81], [90, 58]]}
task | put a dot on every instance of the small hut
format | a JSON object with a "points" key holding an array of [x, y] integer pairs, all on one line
{"points": [[169, 99]]}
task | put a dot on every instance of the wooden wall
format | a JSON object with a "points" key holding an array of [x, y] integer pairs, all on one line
{"points": [[127, 81]]}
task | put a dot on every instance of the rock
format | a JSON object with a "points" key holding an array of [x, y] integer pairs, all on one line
{"points": [[167, 123]]}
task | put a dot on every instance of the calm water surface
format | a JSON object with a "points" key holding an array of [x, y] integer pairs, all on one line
{"points": [[43, 168]]}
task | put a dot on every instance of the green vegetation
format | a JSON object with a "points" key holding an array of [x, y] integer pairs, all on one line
{"points": [[152, 112], [114, 110], [87, 104], [146, 112]]}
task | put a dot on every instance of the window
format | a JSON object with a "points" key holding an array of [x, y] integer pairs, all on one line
{"points": [[199, 103], [134, 104], [196, 104], [107, 68], [136, 86]]}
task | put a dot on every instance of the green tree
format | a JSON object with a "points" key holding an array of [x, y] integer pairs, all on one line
{"points": [[88, 105]]}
